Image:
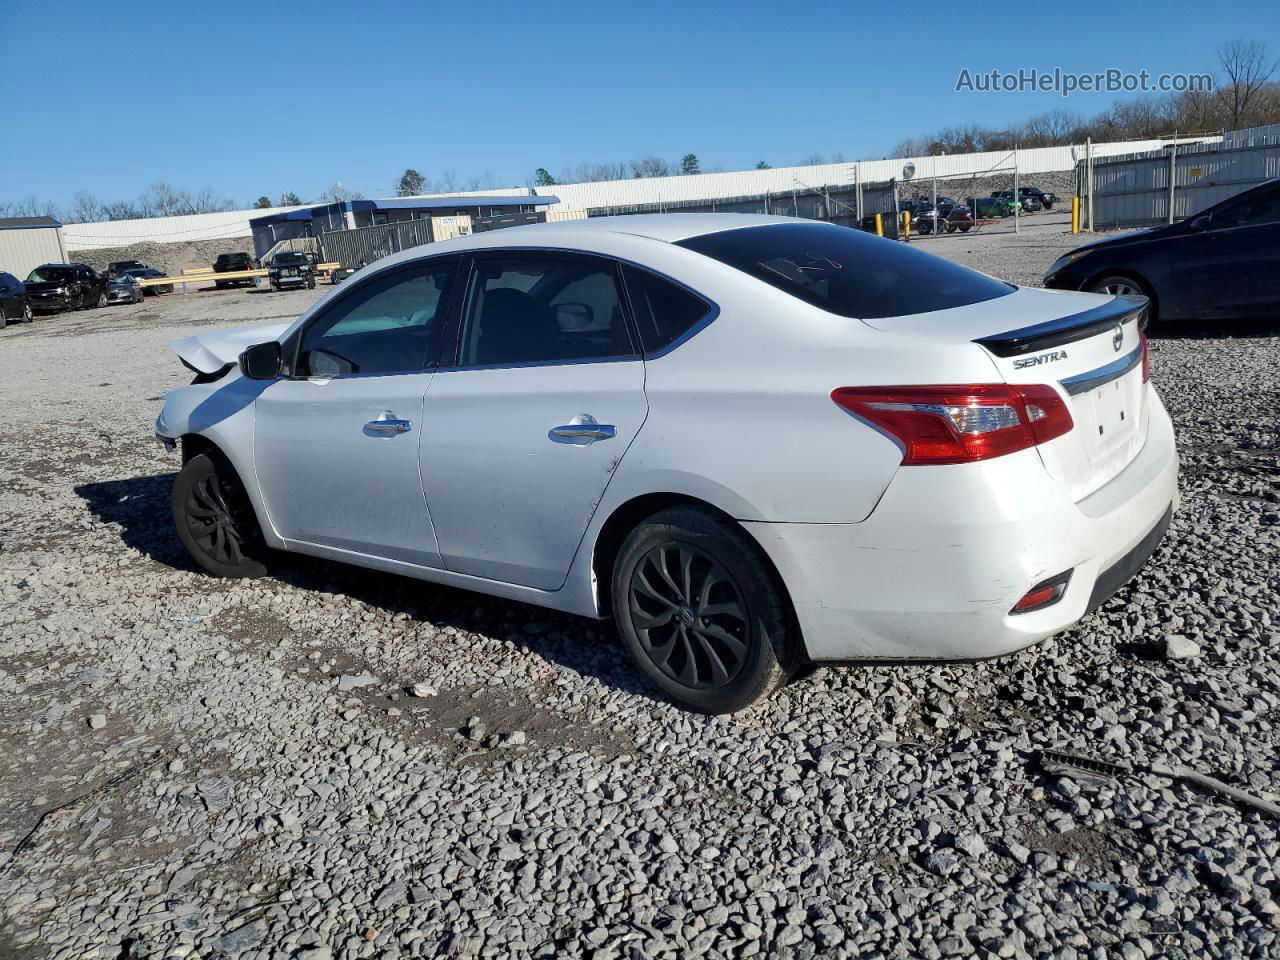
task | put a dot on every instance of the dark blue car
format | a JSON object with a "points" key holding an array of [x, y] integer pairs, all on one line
{"points": [[1222, 263]]}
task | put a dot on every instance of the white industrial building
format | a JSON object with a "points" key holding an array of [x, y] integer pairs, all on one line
{"points": [[27, 242], [579, 199]]}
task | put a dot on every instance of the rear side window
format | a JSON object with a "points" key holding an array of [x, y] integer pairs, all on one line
{"points": [[664, 312], [848, 272], [541, 309]]}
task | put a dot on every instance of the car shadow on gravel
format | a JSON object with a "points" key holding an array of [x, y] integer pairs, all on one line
{"points": [[140, 507], [584, 646]]}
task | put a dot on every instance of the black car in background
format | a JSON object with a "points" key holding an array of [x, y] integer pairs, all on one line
{"points": [[54, 287], [117, 267], [1222, 263], [289, 268], [232, 263], [14, 306], [1047, 200], [151, 273]]}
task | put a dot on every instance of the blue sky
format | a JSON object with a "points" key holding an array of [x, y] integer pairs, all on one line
{"points": [[111, 98]]}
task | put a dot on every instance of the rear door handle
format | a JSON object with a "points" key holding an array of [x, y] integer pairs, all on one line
{"points": [[389, 425], [585, 427]]}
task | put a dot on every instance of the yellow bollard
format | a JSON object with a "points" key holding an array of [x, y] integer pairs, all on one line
{"points": [[906, 224], [879, 226], [1075, 214]]}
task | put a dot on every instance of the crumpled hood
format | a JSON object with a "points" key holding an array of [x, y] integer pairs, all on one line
{"points": [[210, 352]]}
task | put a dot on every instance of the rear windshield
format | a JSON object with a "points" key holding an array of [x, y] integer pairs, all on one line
{"points": [[290, 258], [848, 272]]}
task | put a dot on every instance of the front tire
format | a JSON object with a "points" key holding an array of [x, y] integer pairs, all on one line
{"points": [[701, 613], [215, 519]]}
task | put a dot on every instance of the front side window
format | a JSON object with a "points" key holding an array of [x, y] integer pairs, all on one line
{"points": [[664, 312], [1254, 211], [542, 309], [388, 324], [848, 272]]}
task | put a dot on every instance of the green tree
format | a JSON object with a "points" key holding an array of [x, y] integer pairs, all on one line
{"points": [[411, 184], [689, 163], [290, 199], [262, 203], [541, 178], [764, 165]]}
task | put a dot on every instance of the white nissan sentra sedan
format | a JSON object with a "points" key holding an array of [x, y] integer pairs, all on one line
{"points": [[753, 442]]}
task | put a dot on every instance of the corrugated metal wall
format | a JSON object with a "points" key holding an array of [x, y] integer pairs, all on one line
{"points": [[23, 250], [1134, 191], [367, 244]]}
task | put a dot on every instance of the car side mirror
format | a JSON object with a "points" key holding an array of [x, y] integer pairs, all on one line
{"points": [[1199, 223], [261, 361]]}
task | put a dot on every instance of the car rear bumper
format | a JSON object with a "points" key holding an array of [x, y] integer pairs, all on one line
{"points": [[288, 281], [933, 573]]}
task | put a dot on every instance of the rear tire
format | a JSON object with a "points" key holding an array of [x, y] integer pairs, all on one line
{"points": [[215, 518], [701, 613], [1121, 285]]}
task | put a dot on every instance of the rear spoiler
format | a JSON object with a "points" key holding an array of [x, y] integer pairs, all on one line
{"points": [[1078, 326]]}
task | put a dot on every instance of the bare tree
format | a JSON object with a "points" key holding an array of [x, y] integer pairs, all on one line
{"points": [[85, 208], [29, 206], [650, 166], [1249, 67], [337, 193]]}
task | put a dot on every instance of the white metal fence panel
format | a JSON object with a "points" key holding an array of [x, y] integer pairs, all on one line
{"points": [[1135, 191]]}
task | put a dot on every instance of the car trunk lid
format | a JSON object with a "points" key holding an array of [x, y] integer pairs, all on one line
{"points": [[1089, 347]]}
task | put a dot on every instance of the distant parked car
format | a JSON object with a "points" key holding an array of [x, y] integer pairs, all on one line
{"points": [[233, 263], [1030, 203], [14, 305], [289, 268], [54, 287], [1047, 200], [150, 273], [124, 289], [991, 207], [117, 267], [950, 218], [1222, 263]]}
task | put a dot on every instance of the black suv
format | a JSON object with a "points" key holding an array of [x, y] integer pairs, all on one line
{"points": [[117, 267], [289, 268], [14, 306], [232, 263], [54, 287]]}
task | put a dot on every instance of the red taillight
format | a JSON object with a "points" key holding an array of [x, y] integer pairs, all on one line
{"points": [[1146, 364], [1043, 594], [960, 423]]}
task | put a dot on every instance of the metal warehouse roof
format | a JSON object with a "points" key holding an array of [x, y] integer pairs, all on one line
{"points": [[27, 223], [444, 202]]}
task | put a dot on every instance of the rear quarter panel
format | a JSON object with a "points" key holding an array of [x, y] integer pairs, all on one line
{"points": [[741, 413]]}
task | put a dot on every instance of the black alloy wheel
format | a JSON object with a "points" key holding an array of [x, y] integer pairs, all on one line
{"points": [[701, 611], [215, 518], [689, 615]]}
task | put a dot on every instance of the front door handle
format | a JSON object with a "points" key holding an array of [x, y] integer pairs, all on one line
{"points": [[388, 425], [585, 427]]}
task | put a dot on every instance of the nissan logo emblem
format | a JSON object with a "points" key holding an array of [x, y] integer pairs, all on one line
{"points": [[1117, 339]]}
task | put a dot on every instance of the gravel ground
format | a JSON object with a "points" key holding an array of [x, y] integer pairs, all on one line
{"points": [[331, 763]]}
